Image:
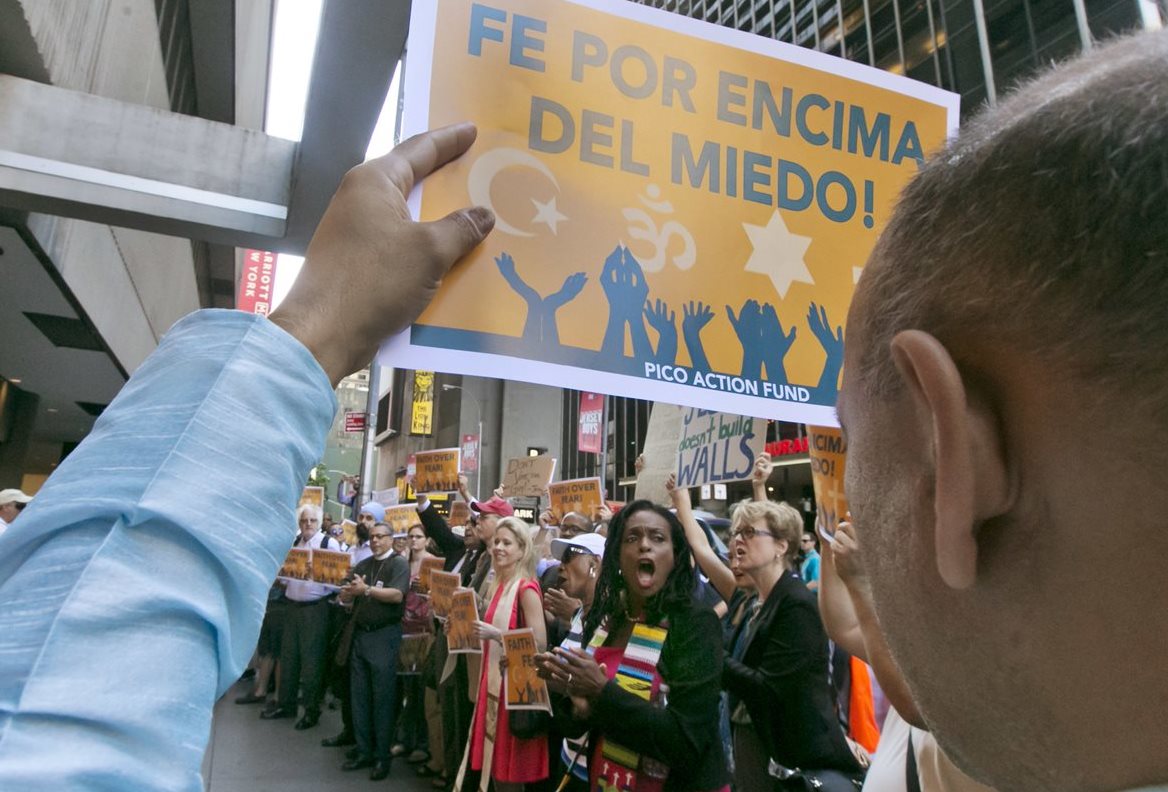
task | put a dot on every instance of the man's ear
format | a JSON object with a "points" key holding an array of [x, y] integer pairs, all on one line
{"points": [[971, 483]]}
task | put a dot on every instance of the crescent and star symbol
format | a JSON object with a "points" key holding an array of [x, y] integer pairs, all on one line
{"points": [[483, 172]]}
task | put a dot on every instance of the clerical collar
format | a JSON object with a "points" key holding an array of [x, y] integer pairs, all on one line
{"points": [[384, 555]]}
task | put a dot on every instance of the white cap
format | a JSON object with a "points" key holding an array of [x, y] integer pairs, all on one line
{"points": [[590, 543], [13, 496]]}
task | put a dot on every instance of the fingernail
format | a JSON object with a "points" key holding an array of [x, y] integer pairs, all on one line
{"points": [[482, 217]]}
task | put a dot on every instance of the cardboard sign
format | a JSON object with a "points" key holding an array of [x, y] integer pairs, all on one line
{"points": [[460, 624], [659, 453], [430, 564], [402, 518], [422, 409], [349, 533], [437, 471], [682, 209], [525, 690], [459, 513], [411, 657], [575, 495], [829, 457], [528, 477], [313, 496], [297, 565], [330, 567], [442, 588], [716, 447]]}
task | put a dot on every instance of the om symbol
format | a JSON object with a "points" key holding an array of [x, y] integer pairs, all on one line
{"points": [[643, 228]]}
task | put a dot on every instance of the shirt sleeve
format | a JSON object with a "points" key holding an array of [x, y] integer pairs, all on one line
{"points": [[133, 596]]}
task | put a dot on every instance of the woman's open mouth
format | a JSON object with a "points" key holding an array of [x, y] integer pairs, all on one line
{"points": [[646, 569]]}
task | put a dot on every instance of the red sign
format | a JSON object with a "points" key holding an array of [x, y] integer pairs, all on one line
{"points": [[256, 282], [470, 453], [354, 421], [787, 447], [591, 419]]}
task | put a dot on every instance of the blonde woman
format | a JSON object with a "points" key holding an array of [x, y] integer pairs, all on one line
{"points": [[515, 601]]}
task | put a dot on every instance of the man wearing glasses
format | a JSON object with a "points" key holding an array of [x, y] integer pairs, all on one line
{"points": [[376, 591]]}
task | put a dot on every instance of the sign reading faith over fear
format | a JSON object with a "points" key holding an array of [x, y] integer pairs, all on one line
{"points": [[576, 495], [526, 690], [402, 518], [715, 447], [682, 209], [437, 471]]}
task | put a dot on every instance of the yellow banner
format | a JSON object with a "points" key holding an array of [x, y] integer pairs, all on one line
{"points": [[829, 457], [422, 411], [682, 209]]}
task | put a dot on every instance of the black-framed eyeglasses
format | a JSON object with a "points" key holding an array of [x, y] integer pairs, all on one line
{"points": [[749, 532], [380, 536]]}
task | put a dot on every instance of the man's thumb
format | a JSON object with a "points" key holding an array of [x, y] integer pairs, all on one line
{"points": [[459, 232]]}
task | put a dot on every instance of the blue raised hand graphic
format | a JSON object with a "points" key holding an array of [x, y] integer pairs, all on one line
{"points": [[540, 327], [775, 344], [748, 328], [664, 321], [833, 346], [694, 317], [625, 287]]}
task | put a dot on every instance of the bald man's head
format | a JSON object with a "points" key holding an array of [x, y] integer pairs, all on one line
{"points": [[1005, 406]]}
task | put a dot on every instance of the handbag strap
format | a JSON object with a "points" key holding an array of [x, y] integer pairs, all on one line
{"points": [[912, 778]]}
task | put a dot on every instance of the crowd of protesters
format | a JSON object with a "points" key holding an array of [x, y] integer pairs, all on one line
{"points": [[633, 595], [1015, 297]]}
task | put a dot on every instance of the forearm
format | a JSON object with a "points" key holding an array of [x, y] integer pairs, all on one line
{"points": [[721, 578], [758, 490], [836, 609], [877, 655], [385, 594], [128, 568]]}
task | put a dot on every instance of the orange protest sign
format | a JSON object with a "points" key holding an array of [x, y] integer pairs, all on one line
{"points": [[402, 518], [459, 513], [313, 496], [828, 453], [442, 588], [430, 565], [297, 565], [575, 495], [437, 471], [330, 567], [464, 613], [349, 535], [525, 689]]}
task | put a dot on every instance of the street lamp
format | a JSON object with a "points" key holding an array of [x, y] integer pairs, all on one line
{"points": [[479, 460]]}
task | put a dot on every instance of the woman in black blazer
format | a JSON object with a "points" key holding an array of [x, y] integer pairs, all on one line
{"points": [[644, 593], [782, 702]]}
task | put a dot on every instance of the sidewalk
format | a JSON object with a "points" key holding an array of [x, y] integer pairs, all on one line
{"points": [[246, 754]]}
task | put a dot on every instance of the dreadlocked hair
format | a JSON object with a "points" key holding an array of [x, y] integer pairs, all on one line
{"points": [[608, 604]]}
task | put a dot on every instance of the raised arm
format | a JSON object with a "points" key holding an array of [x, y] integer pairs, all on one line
{"points": [[759, 476], [846, 563], [721, 578]]}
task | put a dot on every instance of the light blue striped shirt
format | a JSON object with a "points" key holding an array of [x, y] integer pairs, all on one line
{"points": [[133, 586]]}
